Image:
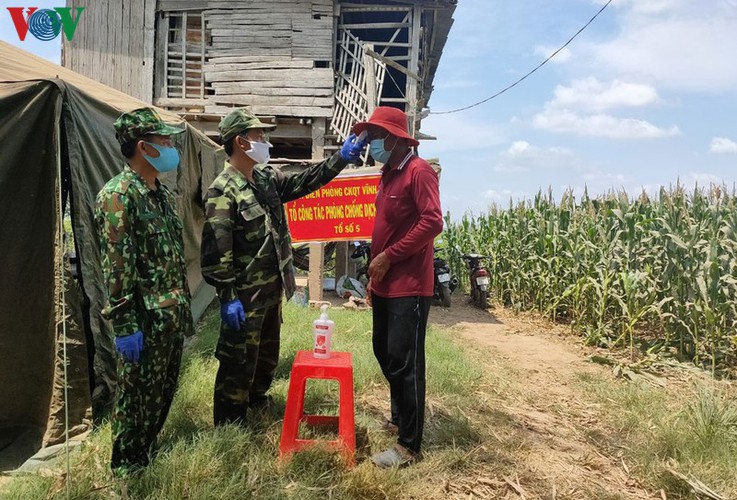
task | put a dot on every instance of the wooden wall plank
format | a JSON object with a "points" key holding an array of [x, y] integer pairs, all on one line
{"points": [[275, 84], [298, 111], [168, 5], [257, 99], [238, 88], [320, 74], [246, 66], [276, 53], [111, 45], [245, 59], [258, 53]]}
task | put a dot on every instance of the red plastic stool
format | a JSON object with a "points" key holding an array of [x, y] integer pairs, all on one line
{"points": [[338, 367]]}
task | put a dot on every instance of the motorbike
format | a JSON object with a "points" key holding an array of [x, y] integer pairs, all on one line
{"points": [[362, 254], [479, 278], [445, 283]]}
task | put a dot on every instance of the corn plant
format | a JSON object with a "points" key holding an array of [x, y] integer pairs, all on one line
{"points": [[617, 266]]}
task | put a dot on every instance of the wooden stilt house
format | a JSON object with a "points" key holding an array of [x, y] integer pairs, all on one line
{"points": [[313, 67]]}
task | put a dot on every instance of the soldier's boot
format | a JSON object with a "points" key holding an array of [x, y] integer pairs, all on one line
{"points": [[225, 412], [261, 404]]}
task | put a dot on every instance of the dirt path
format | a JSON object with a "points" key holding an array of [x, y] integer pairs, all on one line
{"points": [[540, 364]]}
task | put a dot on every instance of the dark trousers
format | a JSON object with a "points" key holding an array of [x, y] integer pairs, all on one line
{"points": [[399, 346], [248, 360]]}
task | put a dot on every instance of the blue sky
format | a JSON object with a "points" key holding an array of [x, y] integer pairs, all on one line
{"points": [[646, 96], [50, 50]]}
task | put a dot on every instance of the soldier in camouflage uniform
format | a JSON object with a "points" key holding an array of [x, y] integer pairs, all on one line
{"points": [[148, 299], [247, 257]]}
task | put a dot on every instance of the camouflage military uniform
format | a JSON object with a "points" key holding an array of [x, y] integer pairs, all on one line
{"points": [[247, 254], [145, 274]]}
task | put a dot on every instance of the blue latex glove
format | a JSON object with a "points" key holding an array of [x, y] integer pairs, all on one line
{"points": [[233, 314], [130, 346], [352, 147]]}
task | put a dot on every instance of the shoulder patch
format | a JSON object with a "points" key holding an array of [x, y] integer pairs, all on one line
{"points": [[121, 187], [118, 184], [220, 181]]}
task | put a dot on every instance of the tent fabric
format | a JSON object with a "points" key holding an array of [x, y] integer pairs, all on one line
{"points": [[27, 230], [77, 378], [55, 119]]}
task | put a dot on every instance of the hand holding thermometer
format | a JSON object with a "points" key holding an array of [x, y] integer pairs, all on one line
{"points": [[352, 147]]}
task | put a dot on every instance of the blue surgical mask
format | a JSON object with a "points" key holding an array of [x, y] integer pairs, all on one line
{"points": [[168, 158], [378, 153]]}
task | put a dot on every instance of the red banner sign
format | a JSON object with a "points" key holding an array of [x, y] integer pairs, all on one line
{"points": [[342, 210]]}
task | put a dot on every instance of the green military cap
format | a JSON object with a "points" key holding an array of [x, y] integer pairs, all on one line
{"points": [[140, 122], [237, 121]]}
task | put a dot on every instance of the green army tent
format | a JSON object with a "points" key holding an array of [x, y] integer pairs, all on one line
{"points": [[57, 149]]}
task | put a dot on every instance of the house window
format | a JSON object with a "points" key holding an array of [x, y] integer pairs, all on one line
{"points": [[184, 55]]}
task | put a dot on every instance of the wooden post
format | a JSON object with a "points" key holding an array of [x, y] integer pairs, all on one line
{"points": [[341, 259], [161, 66], [371, 87], [414, 65], [183, 32], [149, 49], [314, 277], [203, 44], [317, 250]]}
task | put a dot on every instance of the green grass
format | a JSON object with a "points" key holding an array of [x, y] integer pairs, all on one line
{"points": [[196, 461], [693, 432], [468, 432]]}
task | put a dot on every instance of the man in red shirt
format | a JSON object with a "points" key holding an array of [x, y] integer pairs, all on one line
{"points": [[408, 217]]}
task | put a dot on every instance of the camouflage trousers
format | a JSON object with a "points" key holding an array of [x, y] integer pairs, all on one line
{"points": [[248, 361], [146, 389]]}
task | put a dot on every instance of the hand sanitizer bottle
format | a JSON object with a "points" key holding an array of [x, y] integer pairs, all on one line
{"points": [[323, 331]]}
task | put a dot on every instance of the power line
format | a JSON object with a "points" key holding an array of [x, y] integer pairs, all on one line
{"points": [[529, 72]]}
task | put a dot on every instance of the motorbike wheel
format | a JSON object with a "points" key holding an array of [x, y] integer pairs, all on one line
{"points": [[445, 295], [482, 299]]}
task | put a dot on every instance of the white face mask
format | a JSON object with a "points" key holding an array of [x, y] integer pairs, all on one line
{"points": [[259, 152]]}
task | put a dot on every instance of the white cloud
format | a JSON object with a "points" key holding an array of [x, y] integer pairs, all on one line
{"points": [[544, 51], [578, 108], [518, 148], [523, 149], [679, 44], [599, 125], [702, 179], [723, 145], [521, 156], [590, 94], [599, 176], [503, 196], [510, 168]]}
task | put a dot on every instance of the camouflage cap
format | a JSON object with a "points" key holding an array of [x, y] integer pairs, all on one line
{"points": [[237, 121], [139, 122]]}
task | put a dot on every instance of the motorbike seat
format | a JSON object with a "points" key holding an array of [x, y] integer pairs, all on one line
{"points": [[474, 256]]}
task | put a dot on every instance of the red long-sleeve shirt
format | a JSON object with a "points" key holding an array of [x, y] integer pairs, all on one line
{"points": [[408, 217]]}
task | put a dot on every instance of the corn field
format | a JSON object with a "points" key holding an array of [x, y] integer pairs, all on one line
{"points": [[620, 270]]}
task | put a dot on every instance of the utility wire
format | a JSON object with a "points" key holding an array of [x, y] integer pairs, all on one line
{"points": [[529, 72]]}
